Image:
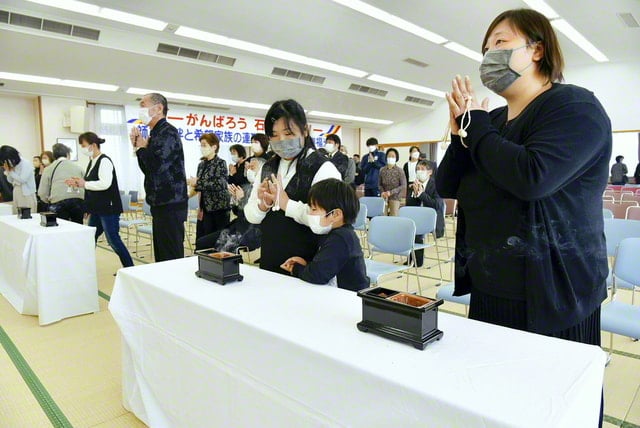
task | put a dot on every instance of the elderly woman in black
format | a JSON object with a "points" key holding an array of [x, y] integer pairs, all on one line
{"points": [[279, 198], [211, 182]]}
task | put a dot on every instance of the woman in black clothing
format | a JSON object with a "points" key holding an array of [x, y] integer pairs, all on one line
{"points": [[409, 168], [279, 198], [529, 179], [260, 146], [215, 204], [237, 175], [238, 233], [422, 193]]}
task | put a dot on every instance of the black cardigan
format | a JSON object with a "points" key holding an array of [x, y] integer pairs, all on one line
{"points": [[530, 223]]}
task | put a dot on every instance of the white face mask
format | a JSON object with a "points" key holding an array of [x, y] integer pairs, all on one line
{"points": [[45, 162], [86, 151], [391, 161], [415, 155], [206, 151], [251, 175], [372, 148], [256, 148], [144, 114], [422, 175], [316, 227], [330, 147], [234, 158]]}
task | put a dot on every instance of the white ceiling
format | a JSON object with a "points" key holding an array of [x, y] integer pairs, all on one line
{"points": [[126, 55]]}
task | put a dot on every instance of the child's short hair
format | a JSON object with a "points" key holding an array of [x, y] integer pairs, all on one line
{"points": [[331, 193]]}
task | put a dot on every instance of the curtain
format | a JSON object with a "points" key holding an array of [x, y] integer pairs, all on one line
{"points": [[110, 124]]}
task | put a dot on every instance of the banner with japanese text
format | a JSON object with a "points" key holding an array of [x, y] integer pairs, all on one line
{"points": [[230, 129]]}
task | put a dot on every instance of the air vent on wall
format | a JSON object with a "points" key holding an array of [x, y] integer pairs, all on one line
{"points": [[417, 100], [298, 75], [416, 62], [85, 33], [57, 27], [629, 20], [368, 90], [194, 54], [25, 21], [49, 26]]}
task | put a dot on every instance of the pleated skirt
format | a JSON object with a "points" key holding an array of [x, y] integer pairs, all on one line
{"points": [[513, 314]]}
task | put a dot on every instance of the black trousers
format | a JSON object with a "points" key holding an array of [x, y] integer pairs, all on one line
{"points": [[212, 221], [419, 253], [69, 209], [372, 192], [168, 231]]}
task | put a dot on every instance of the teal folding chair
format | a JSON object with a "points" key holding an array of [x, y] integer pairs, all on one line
{"points": [[128, 221], [375, 205], [360, 224], [618, 317], [425, 220], [615, 230], [146, 228], [446, 293], [390, 235]]}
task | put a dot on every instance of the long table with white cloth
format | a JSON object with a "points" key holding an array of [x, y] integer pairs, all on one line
{"points": [[48, 271], [273, 351], [6, 208]]}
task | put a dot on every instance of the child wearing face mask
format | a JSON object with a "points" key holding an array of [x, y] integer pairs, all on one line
{"points": [[334, 207]]}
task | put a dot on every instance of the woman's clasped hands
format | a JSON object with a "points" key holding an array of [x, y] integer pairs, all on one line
{"points": [[271, 194]]}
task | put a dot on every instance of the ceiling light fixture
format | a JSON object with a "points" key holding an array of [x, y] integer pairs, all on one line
{"points": [[59, 82], [387, 18], [349, 117], [104, 12], [463, 50], [217, 39], [542, 7], [567, 29], [199, 98], [406, 85]]}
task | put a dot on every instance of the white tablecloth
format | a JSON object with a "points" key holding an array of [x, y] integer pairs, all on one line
{"points": [[272, 351], [48, 271], [6, 208]]}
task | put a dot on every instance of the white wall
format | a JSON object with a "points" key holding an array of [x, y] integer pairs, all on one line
{"points": [[53, 112], [19, 125], [617, 86]]}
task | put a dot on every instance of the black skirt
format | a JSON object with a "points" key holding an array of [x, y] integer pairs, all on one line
{"points": [[513, 314]]}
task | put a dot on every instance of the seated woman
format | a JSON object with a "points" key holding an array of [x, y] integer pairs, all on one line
{"points": [[423, 194], [334, 207], [239, 233]]}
